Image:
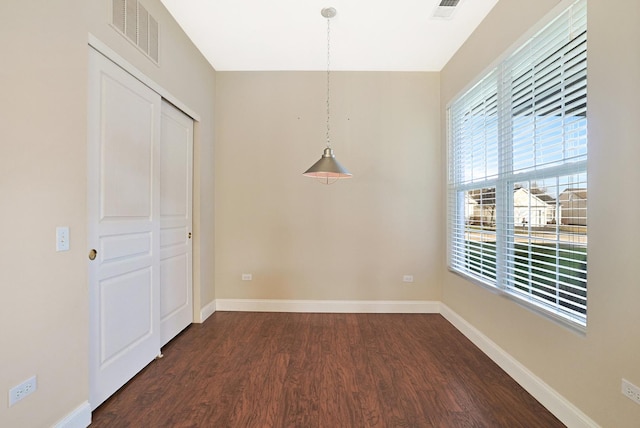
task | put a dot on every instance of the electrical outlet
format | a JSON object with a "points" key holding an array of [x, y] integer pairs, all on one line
{"points": [[19, 392], [247, 277], [630, 391], [407, 278]]}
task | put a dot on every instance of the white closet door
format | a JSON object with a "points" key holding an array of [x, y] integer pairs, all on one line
{"points": [[123, 206], [176, 172]]}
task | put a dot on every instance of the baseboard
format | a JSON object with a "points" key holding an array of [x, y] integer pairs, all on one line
{"points": [[207, 311], [328, 306], [79, 418], [568, 414]]}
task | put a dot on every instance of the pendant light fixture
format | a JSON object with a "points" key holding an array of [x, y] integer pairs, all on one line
{"points": [[328, 170]]}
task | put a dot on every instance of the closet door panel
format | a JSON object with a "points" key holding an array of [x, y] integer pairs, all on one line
{"points": [[176, 178], [123, 207]]}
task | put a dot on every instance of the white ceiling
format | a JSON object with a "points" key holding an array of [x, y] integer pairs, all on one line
{"points": [[381, 35]]}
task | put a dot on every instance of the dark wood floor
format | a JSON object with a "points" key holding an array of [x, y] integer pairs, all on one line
{"points": [[322, 370]]}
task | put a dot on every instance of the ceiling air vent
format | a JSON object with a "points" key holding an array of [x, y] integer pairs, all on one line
{"points": [[445, 9], [134, 22]]}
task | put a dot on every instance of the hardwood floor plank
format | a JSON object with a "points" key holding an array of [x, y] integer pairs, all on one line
{"points": [[322, 370]]}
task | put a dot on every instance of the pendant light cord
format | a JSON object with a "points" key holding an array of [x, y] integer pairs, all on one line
{"points": [[328, 81]]}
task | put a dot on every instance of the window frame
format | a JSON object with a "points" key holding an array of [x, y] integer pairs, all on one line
{"points": [[503, 182]]}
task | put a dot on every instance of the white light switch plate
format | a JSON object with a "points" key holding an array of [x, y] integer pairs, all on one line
{"points": [[62, 238]]}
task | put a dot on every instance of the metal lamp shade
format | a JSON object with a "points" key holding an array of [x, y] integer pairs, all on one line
{"points": [[327, 168]]}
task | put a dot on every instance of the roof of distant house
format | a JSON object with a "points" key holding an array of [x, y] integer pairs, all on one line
{"points": [[579, 192], [542, 195], [487, 196]]}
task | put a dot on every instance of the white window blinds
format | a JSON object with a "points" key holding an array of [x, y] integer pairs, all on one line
{"points": [[517, 172]]}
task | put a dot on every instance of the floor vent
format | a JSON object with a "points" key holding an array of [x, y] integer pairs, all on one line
{"points": [[445, 9], [133, 21]]}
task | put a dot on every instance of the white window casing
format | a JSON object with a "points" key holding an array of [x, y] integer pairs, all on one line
{"points": [[517, 178]]}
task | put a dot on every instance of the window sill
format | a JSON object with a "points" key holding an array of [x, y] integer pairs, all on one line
{"points": [[563, 321]]}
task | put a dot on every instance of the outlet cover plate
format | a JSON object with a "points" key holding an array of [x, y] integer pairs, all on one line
{"points": [[62, 238], [19, 392], [630, 391]]}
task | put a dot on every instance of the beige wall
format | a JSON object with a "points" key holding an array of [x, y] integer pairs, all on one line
{"points": [[585, 369], [43, 294], [352, 240]]}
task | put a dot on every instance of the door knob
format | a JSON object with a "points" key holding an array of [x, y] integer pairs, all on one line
{"points": [[92, 254]]}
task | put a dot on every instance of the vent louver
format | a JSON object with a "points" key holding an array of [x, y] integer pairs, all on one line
{"points": [[134, 22], [118, 14], [143, 28], [445, 9]]}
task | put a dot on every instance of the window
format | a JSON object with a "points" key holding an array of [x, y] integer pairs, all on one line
{"points": [[518, 172]]}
